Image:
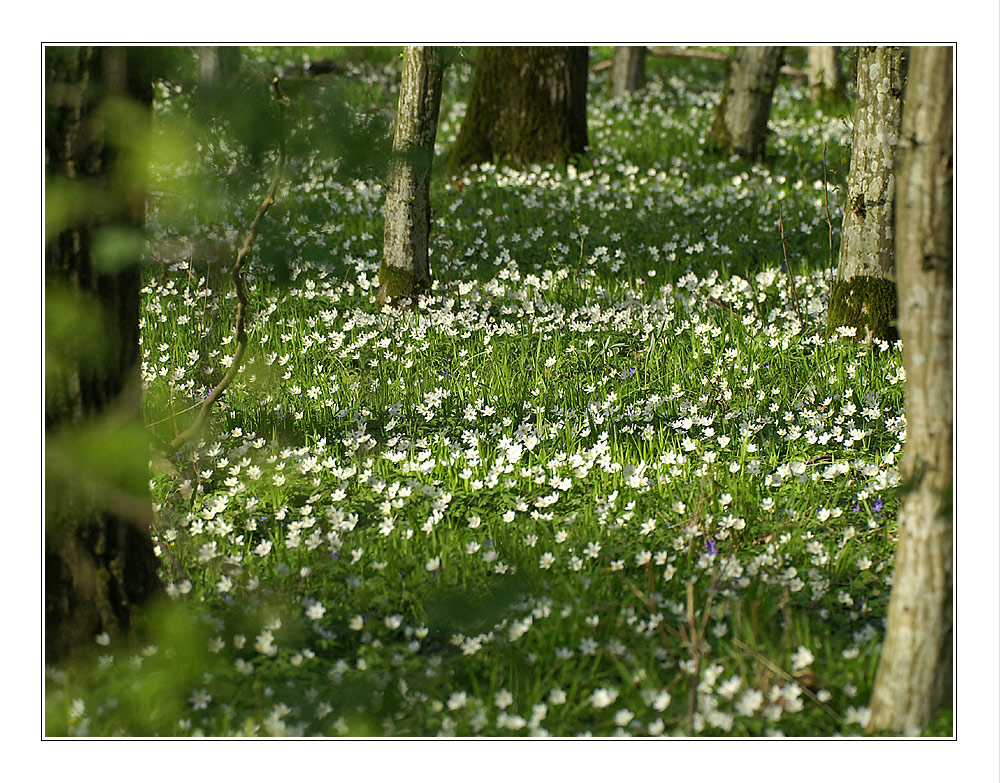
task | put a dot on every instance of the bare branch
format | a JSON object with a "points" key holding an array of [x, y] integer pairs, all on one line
{"points": [[241, 301]]}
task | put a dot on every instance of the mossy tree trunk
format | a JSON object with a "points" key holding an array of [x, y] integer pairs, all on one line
{"points": [[628, 70], [405, 270], [913, 681], [528, 104], [740, 123], [826, 84], [99, 560], [864, 293]]}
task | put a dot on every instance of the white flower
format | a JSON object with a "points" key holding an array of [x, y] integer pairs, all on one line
{"points": [[859, 715], [265, 643], [749, 702], [730, 687], [602, 697], [433, 564], [801, 658], [199, 700]]}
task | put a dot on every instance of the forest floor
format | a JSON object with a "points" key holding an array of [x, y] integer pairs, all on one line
{"points": [[610, 476]]}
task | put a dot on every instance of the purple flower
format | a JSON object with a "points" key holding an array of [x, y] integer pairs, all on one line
{"points": [[877, 505], [710, 547]]}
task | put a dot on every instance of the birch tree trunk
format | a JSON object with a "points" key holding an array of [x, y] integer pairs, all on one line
{"points": [[99, 560], [915, 670], [628, 70], [405, 270], [740, 123], [528, 104], [864, 294], [826, 85]]}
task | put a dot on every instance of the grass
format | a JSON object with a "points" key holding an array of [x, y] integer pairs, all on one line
{"points": [[603, 479]]}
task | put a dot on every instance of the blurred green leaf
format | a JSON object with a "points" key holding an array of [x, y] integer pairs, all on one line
{"points": [[103, 459], [70, 201], [469, 611], [75, 333], [114, 248]]}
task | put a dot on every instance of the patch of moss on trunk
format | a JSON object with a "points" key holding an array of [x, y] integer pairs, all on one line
{"points": [[395, 284], [866, 303]]}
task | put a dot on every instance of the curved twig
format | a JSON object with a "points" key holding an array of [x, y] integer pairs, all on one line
{"points": [[241, 299]]}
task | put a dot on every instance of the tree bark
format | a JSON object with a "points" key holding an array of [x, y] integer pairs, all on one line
{"points": [[628, 70], [99, 560], [864, 294], [405, 270], [914, 674], [826, 84], [528, 104], [217, 64], [740, 123]]}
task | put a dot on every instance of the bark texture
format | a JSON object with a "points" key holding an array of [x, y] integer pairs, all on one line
{"points": [[915, 671], [528, 104], [628, 70], [826, 84], [864, 295], [740, 123], [405, 270], [99, 561]]}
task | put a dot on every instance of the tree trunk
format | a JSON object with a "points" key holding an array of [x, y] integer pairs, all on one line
{"points": [[826, 85], [628, 70], [528, 105], [217, 64], [405, 270], [740, 123], [99, 560], [864, 294], [914, 675]]}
